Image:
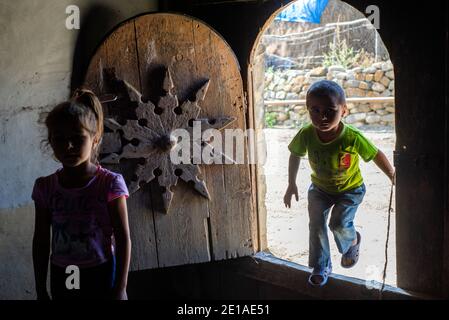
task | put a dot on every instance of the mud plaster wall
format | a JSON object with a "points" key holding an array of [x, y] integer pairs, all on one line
{"points": [[36, 62]]}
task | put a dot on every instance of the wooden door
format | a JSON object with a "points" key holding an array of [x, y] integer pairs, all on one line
{"points": [[194, 229]]}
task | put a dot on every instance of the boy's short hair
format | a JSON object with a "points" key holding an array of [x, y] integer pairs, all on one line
{"points": [[325, 88]]}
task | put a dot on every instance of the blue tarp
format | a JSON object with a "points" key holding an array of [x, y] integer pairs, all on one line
{"points": [[303, 10]]}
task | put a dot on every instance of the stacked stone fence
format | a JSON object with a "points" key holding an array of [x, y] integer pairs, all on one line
{"points": [[373, 82]]}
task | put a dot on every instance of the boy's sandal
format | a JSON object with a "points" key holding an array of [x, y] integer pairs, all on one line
{"points": [[352, 254], [323, 274]]}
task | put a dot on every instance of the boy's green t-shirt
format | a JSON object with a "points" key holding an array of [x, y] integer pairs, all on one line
{"points": [[335, 164]]}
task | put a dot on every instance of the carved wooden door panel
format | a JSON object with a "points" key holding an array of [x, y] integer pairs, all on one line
{"points": [[166, 70]]}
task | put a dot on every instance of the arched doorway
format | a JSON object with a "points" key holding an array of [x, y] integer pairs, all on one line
{"points": [[287, 57]]}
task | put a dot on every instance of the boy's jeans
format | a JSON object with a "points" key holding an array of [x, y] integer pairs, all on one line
{"points": [[341, 222]]}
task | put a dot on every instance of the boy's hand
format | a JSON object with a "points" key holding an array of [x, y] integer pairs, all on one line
{"points": [[291, 190], [392, 177]]}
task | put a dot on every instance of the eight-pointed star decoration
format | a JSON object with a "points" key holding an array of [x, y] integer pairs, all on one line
{"points": [[153, 132]]}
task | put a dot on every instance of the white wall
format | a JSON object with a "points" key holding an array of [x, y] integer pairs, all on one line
{"points": [[36, 61]]}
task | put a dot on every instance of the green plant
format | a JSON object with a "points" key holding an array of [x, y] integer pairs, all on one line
{"points": [[270, 69], [365, 59], [340, 54], [270, 119]]}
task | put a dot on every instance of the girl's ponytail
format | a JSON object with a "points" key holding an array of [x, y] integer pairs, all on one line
{"points": [[90, 101]]}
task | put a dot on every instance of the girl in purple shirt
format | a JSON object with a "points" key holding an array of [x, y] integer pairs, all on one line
{"points": [[84, 206]]}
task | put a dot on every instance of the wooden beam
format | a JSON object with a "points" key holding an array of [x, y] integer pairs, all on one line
{"points": [[268, 268]]}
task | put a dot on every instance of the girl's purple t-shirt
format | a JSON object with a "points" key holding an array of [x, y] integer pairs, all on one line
{"points": [[82, 232]]}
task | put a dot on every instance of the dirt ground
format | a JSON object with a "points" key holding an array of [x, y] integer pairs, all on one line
{"points": [[287, 229]]}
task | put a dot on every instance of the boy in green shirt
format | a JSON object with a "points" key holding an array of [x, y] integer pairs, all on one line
{"points": [[333, 150]]}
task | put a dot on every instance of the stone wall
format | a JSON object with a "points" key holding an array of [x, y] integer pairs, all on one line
{"points": [[376, 80]]}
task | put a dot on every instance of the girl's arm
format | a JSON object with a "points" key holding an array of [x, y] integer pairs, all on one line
{"points": [[382, 162], [292, 189], [119, 216], [41, 250]]}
